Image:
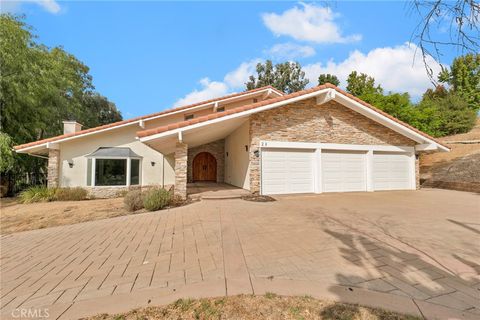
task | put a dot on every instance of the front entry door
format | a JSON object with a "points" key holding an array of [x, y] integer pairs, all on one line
{"points": [[204, 167]]}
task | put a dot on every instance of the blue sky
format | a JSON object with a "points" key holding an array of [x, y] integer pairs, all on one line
{"points": [[149, 56]]}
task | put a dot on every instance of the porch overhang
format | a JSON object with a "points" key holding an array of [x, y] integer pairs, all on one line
{"points": [[194, 135]]}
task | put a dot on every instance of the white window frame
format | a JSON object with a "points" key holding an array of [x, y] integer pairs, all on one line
{"points": [[128, 173]]}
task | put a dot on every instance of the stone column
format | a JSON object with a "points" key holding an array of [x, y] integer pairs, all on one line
{"points": [[53, 171], [181, 157]]}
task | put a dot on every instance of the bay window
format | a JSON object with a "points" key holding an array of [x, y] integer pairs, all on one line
{"points": [[113, 167]]}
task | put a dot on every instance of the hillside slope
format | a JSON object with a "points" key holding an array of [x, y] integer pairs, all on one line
{"points": [[458, 169]]}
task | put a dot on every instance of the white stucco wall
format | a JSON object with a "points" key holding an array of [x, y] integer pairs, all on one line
{"points": [[237, 162], [76, 150]]}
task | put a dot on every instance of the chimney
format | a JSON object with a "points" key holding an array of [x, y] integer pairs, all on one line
{"points": [[71, 127]]}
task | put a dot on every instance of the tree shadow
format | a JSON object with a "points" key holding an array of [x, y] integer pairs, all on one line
{"points": [[381, 266], [464, 225]]}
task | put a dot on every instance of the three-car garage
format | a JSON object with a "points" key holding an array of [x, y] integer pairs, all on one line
{"points": [[295, 167]]}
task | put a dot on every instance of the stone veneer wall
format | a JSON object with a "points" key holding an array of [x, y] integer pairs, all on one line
{"points": [[217, 149], [53, 170], [181, 156], [104, 192], [305, 121]]}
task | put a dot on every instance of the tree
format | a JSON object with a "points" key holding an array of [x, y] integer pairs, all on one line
{"points": [[362, 84], [328, 78], [102, 110], [463, 77], [460, 18], [441, 114], [287, 77], [6, 153], [39, 88]]}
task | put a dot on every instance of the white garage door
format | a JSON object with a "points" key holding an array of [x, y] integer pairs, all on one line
{"points": [[391, 171], [287, 171], [343, 171]]}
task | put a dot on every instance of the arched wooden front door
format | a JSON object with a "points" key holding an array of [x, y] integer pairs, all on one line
{"points": [[204, 167]]}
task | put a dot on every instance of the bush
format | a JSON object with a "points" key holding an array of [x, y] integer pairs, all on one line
{"points": [[71, 194], [176, 201], [37, 194], [133, 200], [156, 199]]}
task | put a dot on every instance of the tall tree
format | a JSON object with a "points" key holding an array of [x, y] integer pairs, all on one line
{"points": [[463, 77], [361, 84], [39, 88], [328, 78], [287, 77]]}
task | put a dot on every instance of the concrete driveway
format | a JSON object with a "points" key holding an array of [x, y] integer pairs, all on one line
{"points": [[410, 251]]}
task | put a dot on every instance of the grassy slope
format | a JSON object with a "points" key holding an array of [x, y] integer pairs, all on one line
{"points": [[461, 164]]}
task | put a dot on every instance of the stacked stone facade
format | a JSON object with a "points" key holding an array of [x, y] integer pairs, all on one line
{"points": [[181, 156], [216, 149], [305, 121], [53, 170]]}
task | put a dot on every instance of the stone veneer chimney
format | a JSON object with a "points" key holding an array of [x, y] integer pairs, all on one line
{"points": [[71, 127]]}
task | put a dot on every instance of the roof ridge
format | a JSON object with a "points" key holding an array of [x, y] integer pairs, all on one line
{"points": [[145, 133], [122, 122]]}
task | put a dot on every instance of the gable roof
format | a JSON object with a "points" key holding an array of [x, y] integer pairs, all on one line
{"points": [[141, 118], [184, 124]]}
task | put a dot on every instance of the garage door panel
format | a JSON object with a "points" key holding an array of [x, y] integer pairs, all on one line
{"points": [[287, 171], [343, 171], [391, 171]]}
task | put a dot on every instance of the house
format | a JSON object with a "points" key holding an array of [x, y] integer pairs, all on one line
{"points": [[317, 140]]}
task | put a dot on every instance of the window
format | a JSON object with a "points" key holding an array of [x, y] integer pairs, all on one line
{"points": [[220, 109], [110, 172], [113, 166], [134, 172], [188, 116]]}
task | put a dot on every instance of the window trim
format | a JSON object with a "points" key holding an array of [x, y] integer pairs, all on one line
{"points": [[128, 171]]}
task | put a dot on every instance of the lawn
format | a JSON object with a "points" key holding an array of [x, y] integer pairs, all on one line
{"points": [[250, 307], [18, 217]]}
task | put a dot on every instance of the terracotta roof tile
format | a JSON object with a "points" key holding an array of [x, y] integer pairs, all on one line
{"points": [[123, 122], [146, 133]]}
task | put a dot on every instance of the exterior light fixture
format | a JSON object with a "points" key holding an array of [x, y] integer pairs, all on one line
{"points": [[70, 164], [152, 163]]}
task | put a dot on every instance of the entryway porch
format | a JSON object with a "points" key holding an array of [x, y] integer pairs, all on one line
{"points": [[213, 190]]}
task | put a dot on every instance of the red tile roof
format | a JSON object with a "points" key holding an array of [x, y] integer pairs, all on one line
{"points": [[181, 124], [123, 122]]}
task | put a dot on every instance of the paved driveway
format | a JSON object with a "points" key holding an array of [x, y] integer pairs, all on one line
{"points": [[412, 251]]}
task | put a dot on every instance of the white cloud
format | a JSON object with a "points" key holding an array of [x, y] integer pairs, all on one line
{"points": [[392, 67], [290, 51], [51, 6], [212, 89], [308, 23]]}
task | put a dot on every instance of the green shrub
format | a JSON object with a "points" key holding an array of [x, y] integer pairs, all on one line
{"points": [[133, 200], [156, 199], [71, 194], [37, 194]]}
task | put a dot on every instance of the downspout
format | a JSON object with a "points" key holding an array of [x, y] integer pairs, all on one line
{"points": [[163, 171]]}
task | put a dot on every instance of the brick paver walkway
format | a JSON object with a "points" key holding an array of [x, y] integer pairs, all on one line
{"points": [[410, 251]]}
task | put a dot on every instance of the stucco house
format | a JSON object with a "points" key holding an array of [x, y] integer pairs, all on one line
{"points": [[317, 140]]}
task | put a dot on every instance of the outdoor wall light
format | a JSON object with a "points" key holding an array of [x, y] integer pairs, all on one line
{"points": [[256, 153], [152, 163], [246, 148], [70, 164], [227, 153]]}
